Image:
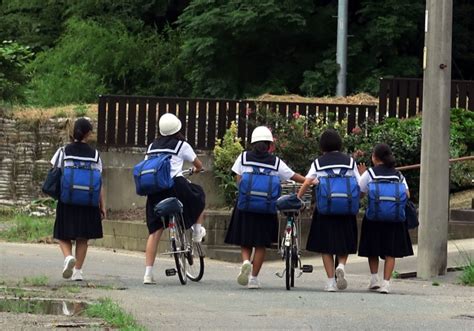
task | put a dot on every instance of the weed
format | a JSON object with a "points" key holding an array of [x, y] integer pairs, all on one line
{"points": [[467, 275], [435, 284], [60, 114], [36, 281], [80, 111], [112, 314], [72, 289], [395, 274], [28, 228]]}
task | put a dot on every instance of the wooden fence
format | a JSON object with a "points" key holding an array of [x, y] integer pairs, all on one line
{"points": [[403, 97], [133, 120]]}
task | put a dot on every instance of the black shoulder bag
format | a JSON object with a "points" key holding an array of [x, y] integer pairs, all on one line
{"points": [[52, 184]]}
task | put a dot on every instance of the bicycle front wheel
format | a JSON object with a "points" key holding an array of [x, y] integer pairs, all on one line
{"points": [[195, 262]]}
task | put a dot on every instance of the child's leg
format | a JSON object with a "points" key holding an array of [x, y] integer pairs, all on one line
{"points": [[151, 247], [81, 251], [66, 247], [373, 264], [200, 219], [328, 261], [342, 259], [388, 267], [258, 258]]}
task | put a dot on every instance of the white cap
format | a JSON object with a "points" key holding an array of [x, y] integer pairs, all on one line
{"points": [[261, 133], [169, 124]]}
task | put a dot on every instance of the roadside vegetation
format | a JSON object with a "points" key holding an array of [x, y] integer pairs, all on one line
{"points": [[24, 228], [109, 311]]}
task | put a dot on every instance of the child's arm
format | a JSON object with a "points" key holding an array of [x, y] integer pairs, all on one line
{"points": [[197, 165], [103, 211], [307, 183], [298, 178]]}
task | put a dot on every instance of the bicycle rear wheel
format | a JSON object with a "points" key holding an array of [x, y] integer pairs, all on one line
{"points": [[177, 244], [288, 267], [195, 262], [294, 264]]}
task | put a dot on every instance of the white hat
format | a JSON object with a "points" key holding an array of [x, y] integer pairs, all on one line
{"points": [[169, 124], [261, 133]]}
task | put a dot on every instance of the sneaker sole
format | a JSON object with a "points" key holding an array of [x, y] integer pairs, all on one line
{"points": [[373, 288], [243, 278], [341, 282], [149, 283], [253, 287], [67, 272]]}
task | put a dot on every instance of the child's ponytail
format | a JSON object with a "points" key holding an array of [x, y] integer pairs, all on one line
{"points": [[384, 154]]}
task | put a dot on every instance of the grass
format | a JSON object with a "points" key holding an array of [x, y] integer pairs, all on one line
{"points": [[72, 289], [26, 228], [467, 275], [109, 311], [435, 283], [395, 274], [35, 281]]}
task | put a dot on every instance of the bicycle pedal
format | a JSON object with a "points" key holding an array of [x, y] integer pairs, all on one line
{"points": [[170, 272], [307, 268]]}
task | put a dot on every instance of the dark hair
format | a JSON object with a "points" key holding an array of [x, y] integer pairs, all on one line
{"points": [[384, 154], [81, 127], [178, 135], [261, 147], [330, 141]]}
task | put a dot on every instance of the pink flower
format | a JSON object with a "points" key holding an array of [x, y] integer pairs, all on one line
{"points": [[296, 115], [356, 130]]}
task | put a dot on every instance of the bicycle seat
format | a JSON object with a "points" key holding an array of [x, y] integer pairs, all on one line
{"points": [[167, 207], [288, 202]]}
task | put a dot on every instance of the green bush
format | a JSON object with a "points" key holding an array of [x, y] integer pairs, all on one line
{"points": [[225, 153], [13, 60]]}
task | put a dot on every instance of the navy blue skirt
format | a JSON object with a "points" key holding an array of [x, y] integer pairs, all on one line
{"points": [[192, 197], [384, 239], [77, 222], [252, 229], [331, 234]]}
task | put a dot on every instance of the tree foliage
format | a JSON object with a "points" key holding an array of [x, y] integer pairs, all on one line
{"points": [[13, 58], [220, 48]]}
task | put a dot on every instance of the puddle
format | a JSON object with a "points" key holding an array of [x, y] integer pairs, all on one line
{"points": [[42, 306]]}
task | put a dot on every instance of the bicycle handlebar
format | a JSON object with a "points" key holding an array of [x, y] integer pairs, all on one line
{"points": [[190, 172]]}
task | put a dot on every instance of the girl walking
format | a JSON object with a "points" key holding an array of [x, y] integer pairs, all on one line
{"points": [[74, 221], [256, 229], [191, 195], [332, 234], [386, 239]]}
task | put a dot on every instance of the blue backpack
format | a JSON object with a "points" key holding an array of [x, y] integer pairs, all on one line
{"points": [[337, 194], [153, 175], [259, 191], [80, 183], [387, 199]]}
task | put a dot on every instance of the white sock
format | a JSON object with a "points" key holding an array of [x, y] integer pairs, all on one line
{"points": [[386, 282], [197, 228], [148, 270], [331, 280], [253, 277], [340, 266], [374, 277], [75, 269], [246, 261]]}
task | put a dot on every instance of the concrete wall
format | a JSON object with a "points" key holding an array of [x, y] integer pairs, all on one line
{"points": [[120, 187]]}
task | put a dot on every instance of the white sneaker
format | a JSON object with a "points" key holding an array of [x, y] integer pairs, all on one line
{"points": [[385, 288], [77, 275], [341, 282], [148, 280], [253, 283], [374, 283], [69, 263], [197, 237], [243, 277], [330, 287]]}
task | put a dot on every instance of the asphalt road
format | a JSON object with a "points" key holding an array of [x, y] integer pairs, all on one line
{"points": [[218, 302]]}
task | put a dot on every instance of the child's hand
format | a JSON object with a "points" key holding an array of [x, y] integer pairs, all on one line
{"points": [[315, 181], [362, 168], [103, 213]]}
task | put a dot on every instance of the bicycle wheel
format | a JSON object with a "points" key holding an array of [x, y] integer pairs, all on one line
{"points": [[288, 267], [179, 258], [294, 264], [194, 259]]}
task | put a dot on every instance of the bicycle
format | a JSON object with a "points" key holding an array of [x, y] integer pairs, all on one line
{"points": [[289, 245], [188, 255]]}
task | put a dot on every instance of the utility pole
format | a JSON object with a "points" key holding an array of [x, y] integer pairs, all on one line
{"points": [[434, 180], [341, 55]]}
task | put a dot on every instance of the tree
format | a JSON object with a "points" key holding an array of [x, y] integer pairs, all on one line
{"points": [[13, 58]]}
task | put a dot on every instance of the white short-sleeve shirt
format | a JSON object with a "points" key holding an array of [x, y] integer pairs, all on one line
{"points": [[312, 173], [68, 163], [185, 153], [284, 172], [365, 179]]}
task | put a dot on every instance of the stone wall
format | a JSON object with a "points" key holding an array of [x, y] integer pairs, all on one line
{"points": [[25, 150]]}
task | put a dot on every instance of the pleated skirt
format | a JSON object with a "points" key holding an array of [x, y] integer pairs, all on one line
{"points": [[77, 222], [191, 195]]}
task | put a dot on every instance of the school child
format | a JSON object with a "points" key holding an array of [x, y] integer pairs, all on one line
{"points": [[250, 229], [74, 219], [333, 232], [387, 239], [192, 196]]}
